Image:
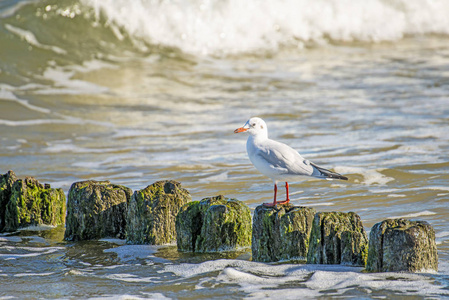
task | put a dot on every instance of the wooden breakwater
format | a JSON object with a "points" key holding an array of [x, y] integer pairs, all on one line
{"points": [[164, 213]]}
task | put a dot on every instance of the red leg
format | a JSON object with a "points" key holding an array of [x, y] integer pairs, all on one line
{"points": [[274, 200], [287, 198]]}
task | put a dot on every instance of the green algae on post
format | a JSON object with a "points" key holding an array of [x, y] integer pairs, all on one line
{"points": [[402, 245], [213, 224], [338, 238], [26, 202], [6, 182], [96, 209], [281, 232], [152, 213]]}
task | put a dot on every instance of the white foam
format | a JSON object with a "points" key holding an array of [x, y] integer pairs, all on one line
{"points": [[10, 96], [442, 234], [251, 283], [74, 272], [33, 252], [132, 252], [396, 195], [233, 26], [65, 120], [317, 204], [261, 280], [92, 65], [370, 176], [12, 239], [33, 274], [11, 10], [65, 84], [31, 39], [189, 270], [113, 241], [220, 177], [158, 296], [433, 188], [408, 284], [130, 278], [45, 250], [415, 215], [131, 133], [41, 227], [296, 192], [68, 146]]}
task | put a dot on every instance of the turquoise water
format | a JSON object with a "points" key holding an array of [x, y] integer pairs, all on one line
{"points": [[140, 91]]}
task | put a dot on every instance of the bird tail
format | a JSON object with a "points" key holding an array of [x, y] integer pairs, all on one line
{"points": [[328, 174]]}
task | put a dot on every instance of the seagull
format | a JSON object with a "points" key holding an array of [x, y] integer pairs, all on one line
{"points": [[279, 161]]}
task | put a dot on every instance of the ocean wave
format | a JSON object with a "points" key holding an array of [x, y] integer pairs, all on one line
{"points": [[71, 32], [232, 26]]}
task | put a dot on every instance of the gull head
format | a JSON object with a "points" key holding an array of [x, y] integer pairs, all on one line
{"points": [[254, 126]]}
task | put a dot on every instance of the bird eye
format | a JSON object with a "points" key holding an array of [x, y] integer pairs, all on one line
{"points": [[254, 124]]}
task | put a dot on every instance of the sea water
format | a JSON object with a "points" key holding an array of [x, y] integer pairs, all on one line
{"points": [[139, 91]]}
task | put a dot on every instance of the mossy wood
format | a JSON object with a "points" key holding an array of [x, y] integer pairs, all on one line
{"points": [[152, 213], [26, 202], [338, 238], [96, 209], [281, 232], [402, 245], [6, 182], [213, 224]]}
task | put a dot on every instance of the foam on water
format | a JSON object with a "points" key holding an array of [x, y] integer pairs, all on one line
{"points": [[220, 177], [6, 11], [33, 274], [130, 278], [113, 241], [15, 239], [131, 297], [68, 146], [370, 176], [313, 204], [415, 215], [396, 195], [131, 252], [191, 270], [7, 94], [29, 252], [37, 228], [32, 40], [205, 27], [257, 279], [65, 84], [251, 283], [409, 284]]}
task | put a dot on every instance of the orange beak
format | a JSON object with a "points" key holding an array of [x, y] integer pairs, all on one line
{"points": [[241, 129]]}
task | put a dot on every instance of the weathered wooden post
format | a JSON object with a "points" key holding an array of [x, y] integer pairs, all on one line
{"points": [[26, 202], [213, 224], [96, 209], [152, 213], [281, 232], [402, 245], [338, 238]]}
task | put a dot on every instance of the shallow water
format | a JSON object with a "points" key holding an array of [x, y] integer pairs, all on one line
{"points": [[87, 93]]}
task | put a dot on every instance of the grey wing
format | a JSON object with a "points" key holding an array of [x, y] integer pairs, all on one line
{"points": [[286, 160]]}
